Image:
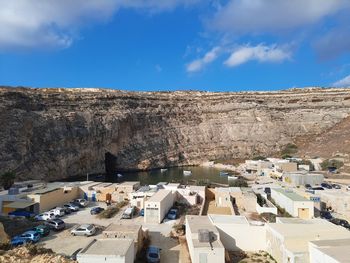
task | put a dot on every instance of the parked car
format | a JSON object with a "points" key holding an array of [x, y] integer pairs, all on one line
{"points": [[317, 188], [96, 210], [172, 214], [340, 222], [84, 230], [21, 213], [325, 185], [82, 202], [348, 188], [56, 224], [30, 236], [129, 213], [42, 230], [336, 186], [267, 190], [58, 211], [142, 212], [67, 211], [308, 186], [153, 254], [72, 207], [45, 216], [18, 241], [326, 215]]}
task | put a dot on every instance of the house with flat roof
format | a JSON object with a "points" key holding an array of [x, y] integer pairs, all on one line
{"points": [[330, 251], [158, 205], [139, 197], [288, 239], [133, 232], [294, 204], [111, 250], [203, 240], [297, 178]]}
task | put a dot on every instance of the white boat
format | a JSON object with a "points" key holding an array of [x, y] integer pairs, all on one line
{"points": [[187, 173], [232, 178], [163, 170], [222, 173], [119, 175]]}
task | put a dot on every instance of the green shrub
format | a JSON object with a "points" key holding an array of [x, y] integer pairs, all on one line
{"points": [[238, 183], [109, 212], [259, 157], [331, 163], [289, 149], [7, 179]]}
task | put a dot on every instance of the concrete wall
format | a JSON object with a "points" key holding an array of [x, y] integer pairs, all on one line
{"points": [[268, 209], [88, 258], [236, 237], [317, 256], [55, 198]]}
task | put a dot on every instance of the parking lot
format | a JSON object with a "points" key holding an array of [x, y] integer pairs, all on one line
{"points": [[63, 242]]}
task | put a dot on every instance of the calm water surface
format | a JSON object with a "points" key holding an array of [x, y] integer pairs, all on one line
{"points": [[174, 174]]}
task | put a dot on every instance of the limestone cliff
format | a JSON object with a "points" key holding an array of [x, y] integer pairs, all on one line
{"points": [[56, 133]]}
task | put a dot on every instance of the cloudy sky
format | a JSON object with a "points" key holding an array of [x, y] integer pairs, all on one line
{"points": [[227, 45]]}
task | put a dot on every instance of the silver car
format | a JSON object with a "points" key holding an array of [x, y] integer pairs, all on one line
{"points": [[84, 230]]}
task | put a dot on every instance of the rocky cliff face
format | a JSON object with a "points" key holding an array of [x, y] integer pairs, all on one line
{"points": [[57, 133]]}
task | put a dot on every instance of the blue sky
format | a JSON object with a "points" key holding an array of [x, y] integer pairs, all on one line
{"points": [[228, 45]]}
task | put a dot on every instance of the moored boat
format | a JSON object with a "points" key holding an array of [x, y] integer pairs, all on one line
{"points": [[187, 173], [223, 173]]}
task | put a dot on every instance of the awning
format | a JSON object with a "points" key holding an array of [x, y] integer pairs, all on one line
{"points": [[19, 204]]}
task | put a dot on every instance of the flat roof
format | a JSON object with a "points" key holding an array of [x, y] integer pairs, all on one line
{"points": [[159, 196], [131, 183], [228, 219], [197, 223], [45, 190], [290, 194], [135, 228], [107, 246], [19, 204]]}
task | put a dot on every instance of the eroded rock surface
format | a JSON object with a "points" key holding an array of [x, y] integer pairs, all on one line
{"points": [[57, 133]]}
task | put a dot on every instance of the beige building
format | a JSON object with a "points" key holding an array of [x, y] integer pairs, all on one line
{"points": [[243, 198], [133, 232], [330, 251], [203, 240], [288, 239], [55, 195], [158, 205]]}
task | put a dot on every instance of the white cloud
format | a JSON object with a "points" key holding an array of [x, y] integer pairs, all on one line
{"points": [[345, 82], [261, 16], [200, 63], [55, 23], [259, 53]]}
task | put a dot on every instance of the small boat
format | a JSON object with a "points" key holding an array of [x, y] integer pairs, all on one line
{"points": [[119, 175], [163, 170], [222, 173], [232, 178], [187, 173]]}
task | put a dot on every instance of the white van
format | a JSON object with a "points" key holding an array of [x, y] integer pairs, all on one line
{"points": [[129, 213], [58, 211]]}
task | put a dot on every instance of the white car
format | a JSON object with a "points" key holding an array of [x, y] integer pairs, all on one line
{"points": [[82, 202], [84, 230], [45, 216], [58, 211]]}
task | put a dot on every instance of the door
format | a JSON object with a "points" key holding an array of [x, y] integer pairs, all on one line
{"points": [[303, 213]]}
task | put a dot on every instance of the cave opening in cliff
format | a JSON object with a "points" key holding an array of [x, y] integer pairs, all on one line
{"points": [[110, 163]]}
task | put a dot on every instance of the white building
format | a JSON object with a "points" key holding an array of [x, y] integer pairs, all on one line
{"points": [[139, 197], [302, 178], [338, 200], [288, 239], [330, 251], [294, 204], [158, 205], [203, 240], [234, 231], [110, 250]]}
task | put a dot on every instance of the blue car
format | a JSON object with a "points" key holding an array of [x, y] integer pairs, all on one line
{"points": [[142, 212], [172, 214], [18, 241], [153, 254], [21, 213], [96, 210], [30, 236]]}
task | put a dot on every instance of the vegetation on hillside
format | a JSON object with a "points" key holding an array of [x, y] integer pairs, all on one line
{"points": [[289, 150], [7, 179], [331, 163]]}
